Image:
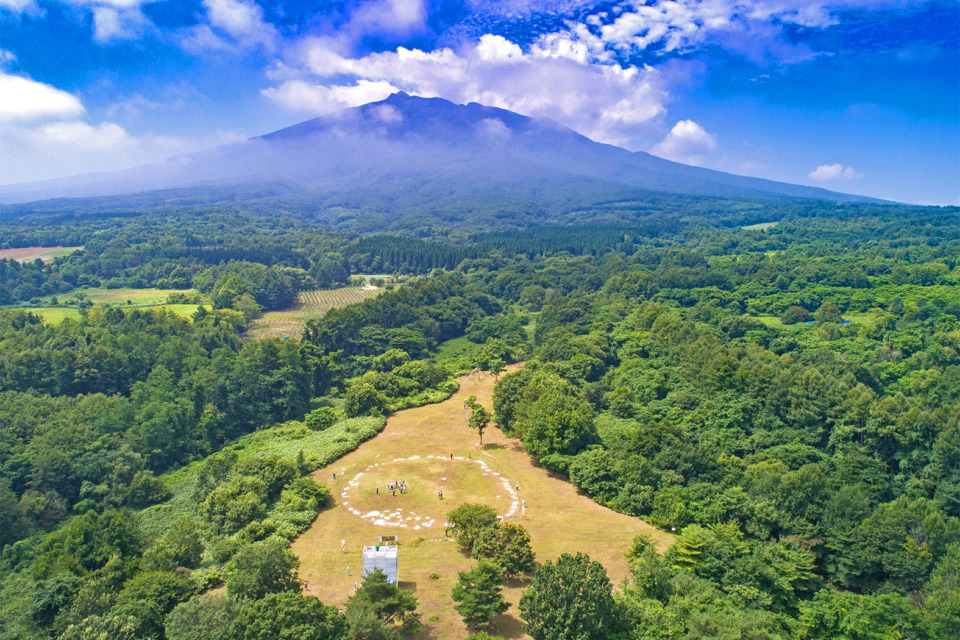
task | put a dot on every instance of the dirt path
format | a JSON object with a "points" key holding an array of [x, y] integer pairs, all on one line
{"points": [[559, 517]]}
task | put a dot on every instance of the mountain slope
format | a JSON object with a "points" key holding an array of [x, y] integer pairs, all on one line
{"points": [[405, 156]]}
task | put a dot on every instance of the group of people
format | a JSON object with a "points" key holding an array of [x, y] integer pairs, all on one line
{"points": [[393, 487]]}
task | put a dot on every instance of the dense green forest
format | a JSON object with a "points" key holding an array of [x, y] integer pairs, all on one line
{"points": [[786, 399]]}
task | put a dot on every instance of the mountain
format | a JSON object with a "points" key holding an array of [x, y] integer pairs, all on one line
{"points": [[409, 157]]}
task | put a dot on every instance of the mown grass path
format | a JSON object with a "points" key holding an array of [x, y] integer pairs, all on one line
{"points": [[559, 517]]}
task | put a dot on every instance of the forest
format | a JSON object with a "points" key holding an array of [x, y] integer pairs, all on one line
{"points": [[784, 397]]}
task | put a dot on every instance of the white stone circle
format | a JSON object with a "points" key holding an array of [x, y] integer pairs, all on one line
{"points": [[410, 520]]}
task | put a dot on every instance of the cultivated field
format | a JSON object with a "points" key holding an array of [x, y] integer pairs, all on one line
{"points": [[416, 446], [309, 305], [29, 254], [123, 298]]}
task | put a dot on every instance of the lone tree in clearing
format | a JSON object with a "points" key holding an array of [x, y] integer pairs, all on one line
{"points": [[506, 544], [478, 595], [479, 417], [496, 366], [468, 520]]}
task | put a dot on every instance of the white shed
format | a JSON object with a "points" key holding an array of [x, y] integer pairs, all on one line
{"points": [[381, 557]]}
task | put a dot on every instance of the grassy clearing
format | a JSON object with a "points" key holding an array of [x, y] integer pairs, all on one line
{"points": [[122, 298], [854, 318], [309, 305], [558, 516], [29, 254], [760, 226], [770, 321], [55, 315], [119, 297]]}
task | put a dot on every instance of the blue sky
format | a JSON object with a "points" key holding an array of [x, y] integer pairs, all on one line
{"points": [[861, 96]]}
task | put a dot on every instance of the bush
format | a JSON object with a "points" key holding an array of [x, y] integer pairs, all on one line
{"points": [[304, 494], [321, 419], [145, 490]]}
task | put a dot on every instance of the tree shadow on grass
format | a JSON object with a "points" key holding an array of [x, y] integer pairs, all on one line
{"points": [[518, 581], [506, 626], [549, 472], [514, 445]]}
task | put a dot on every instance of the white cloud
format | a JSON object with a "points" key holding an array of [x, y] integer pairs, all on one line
{"points": [[22, 99], [302, 95], [16, 6], [388, 16], [236, 18], [79, 136], [113, 22], [752, 28], [687, 142], [230, 25], [39, 151], [6, 57], [553, 79], [43, 135], [834, 172]]}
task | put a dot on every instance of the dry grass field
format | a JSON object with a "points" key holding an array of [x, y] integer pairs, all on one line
{"points": [[309, 305], [558, 516], [29, 254]]}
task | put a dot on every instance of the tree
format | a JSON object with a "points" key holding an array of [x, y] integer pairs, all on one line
{"points": [[558, 422], [165, 589], [506, 544], [828, 312], [468, 520], [943, 595], [843, 615], [235, 503], [571, 599], [478, 594], [203, 617], [261, 568], [378, 597], [795, 314], [112, 627], [180, 546], [479, 418], [363, 399], [496, 367], [288, 616]]}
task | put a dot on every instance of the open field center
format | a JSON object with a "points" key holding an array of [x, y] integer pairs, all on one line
{"points": [[29, 254], [430, 449], [137, 297], [54, 315], [309, 305]]}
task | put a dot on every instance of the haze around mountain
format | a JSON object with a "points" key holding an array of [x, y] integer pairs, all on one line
{"points": [[406, 154]]}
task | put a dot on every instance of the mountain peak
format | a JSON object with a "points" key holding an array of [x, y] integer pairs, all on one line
{"points": [[414, 141]]}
